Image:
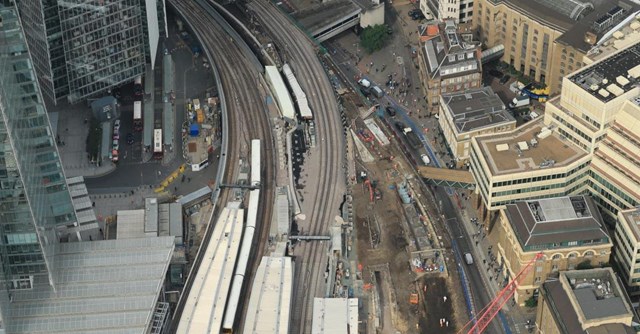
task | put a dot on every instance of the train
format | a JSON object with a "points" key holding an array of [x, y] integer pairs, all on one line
{"points": [[301, 98], [247, 241]]}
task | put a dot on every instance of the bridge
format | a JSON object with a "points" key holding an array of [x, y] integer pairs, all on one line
{"points": [[454, 178]]}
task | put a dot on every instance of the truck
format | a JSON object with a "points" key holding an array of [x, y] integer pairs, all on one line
{"points": [[377, 91], [468, 258], [519, 101], [412, 137], [364, 83]]}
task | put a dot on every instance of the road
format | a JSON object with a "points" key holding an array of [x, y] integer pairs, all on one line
{"points": [[324, 169], [465, 243]]}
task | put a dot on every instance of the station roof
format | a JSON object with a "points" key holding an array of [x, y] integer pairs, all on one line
{"points": [[582, 298], [335, 316], [107, 286], [556, 221], [270, 301], [504, 154], [476, 109]]}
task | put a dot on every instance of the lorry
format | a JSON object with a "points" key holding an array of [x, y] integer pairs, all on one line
{"points": [[377, 91], [520, 101], [412, 137], [468, 258]]}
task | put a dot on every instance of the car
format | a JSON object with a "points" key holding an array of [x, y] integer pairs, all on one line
{"points": [[116, 136], [496, 73], [505, 79], [391, 111], [116, 125], [413, 11], [129, 138], [115, 145], [425, 159], [400, 126]]}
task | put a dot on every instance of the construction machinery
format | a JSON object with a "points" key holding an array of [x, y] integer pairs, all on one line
{"points": [[478, 324], [413, 299]]}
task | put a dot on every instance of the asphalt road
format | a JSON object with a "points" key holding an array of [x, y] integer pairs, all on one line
{"points": [[479, 292]]}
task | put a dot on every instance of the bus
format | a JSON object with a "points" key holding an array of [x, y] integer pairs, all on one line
{"points": [[137, 116], [157, 143]]}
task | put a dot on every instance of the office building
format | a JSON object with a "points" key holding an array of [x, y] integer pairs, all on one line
{"points": [[585, 301], [81, 49], [587, 143], [529, 162], [461, 11], [547, 39], [49, 283], [627, 251], [569, 231], [599, 111], [470, 113], [449, 62]]}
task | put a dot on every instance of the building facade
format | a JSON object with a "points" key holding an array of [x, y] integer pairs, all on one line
{"points": [[627, 251], [585, 301], [448, 62], [81, 49], [35, 205], [567, 230], [461, 11], [467, 114], [544, 39]]}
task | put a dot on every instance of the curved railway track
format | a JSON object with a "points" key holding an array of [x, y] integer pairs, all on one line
{"points": [[331, 180], [247, 118]]}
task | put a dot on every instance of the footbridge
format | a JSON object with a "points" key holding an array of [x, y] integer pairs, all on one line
{"points": [[454, 178]]}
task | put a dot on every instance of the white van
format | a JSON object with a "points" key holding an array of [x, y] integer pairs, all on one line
{"points": [[468, 258], [425, 159], [364, 83], [377, 91]]}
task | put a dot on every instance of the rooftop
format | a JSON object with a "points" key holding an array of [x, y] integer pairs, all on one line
{"points": [[335, 316], [598, 299], [612, 76], [632, 217], [476, 109], [449, 55], [108, 286], [617, 39], [527, 148], [318, 17], [270, 300], [557, 221]]}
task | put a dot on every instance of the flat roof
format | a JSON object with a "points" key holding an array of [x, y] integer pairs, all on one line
{"points": [[106, 286], [130, 224], [547, 152], [321, 16], [281, 93], [476, 109], [270, 301], [204, 308], [556, 221], [608, 44], [601, 78], [632, 217], [335, 316], [597, 296]]}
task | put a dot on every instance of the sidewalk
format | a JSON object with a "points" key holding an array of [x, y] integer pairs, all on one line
{"points": [[72, 130]]}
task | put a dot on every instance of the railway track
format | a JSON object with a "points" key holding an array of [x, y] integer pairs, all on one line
{"points": [[246, 115], [302, 56]]}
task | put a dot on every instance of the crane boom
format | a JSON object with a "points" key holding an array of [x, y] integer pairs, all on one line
{"points": [[490, 311]]}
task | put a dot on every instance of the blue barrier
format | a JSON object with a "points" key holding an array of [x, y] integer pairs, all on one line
{"points": [[503, 321], [463, 279]]}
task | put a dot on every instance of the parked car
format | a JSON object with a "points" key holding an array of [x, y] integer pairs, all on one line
{"points": [[115, 145], [116, 136], [505, 79], [425, 159], [116, 126], [129, 138]]}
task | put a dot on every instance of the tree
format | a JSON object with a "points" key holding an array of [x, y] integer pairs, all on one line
{"points": [[586, 264], [531, 302], [373, 37]]}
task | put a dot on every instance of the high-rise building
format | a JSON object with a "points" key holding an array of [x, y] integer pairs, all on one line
{"points": [[35, 205], [460, 11], [81, 49]]}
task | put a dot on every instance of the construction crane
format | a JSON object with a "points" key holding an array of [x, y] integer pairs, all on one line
{"points": [[485, 316]]}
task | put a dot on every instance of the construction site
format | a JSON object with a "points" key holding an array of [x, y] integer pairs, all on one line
{"points": [[409, 274]]}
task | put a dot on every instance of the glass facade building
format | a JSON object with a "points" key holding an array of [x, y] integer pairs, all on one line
{"points": [[81, 48], [35, 205]]}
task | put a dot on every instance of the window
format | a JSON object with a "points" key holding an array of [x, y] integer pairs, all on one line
{"points": [[588, 253], [572, 243], [554, 267], [537, 280], [556, 257]]}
